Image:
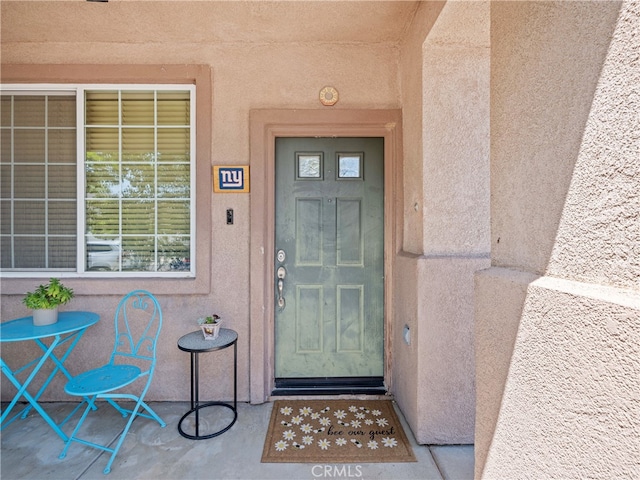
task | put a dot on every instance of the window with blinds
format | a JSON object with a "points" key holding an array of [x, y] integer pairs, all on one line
{"points": [[38, 225], [128, 196]]}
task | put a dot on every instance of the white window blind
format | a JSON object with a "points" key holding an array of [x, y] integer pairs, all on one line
{"points": [[38, 182], [134, 208]]}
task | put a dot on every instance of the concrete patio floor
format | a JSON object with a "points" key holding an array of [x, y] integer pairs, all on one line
{"points": [[30, 450]]}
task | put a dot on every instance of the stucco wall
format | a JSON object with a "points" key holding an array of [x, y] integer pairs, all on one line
{"points": [[405, 358], [456, 132], [569, 404], [245, 76], [558, 316], [546, 59], [412, 86], [446, 217]]}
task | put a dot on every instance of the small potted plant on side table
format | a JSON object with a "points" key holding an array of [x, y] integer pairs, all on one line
{"points": [[210, 326], [44, 301]]}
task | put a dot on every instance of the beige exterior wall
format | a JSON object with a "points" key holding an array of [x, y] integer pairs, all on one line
{"points": [[245, 76], [446, 234], [558, 316]]}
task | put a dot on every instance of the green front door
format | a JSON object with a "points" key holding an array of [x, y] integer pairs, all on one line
{"points": [[329, 295]]}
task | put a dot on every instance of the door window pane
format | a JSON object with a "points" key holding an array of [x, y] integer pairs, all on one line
{"points": [[350, 165], [309, 166]]}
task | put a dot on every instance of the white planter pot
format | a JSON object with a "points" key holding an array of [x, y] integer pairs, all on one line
{"points": [[210, 331], [45, 316]]}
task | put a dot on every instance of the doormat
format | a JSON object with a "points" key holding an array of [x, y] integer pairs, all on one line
{"points": [[335, 431]]}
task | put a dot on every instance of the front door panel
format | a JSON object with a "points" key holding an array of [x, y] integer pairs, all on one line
{"points": [[329, 317]]}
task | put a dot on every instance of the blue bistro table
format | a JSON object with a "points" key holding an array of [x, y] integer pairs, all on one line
{"points": [[67, 330], [194, 343]]}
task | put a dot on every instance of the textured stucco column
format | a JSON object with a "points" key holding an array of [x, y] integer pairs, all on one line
{"points": [[559, 398], [454, 211], [500, 296], [404, 358], [558, 316], [455, 217], [446, 383]]}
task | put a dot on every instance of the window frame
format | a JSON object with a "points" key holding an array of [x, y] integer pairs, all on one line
{"points": [[151, 74], [79, 92]]}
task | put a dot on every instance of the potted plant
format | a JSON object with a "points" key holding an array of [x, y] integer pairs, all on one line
{"points": [[44, 301], [210, 326]]}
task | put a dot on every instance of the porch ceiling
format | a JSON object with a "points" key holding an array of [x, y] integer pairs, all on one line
{"points": [[205, 21]]}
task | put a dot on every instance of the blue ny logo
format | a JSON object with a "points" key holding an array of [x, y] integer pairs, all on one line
{"points": [[231, 178]]}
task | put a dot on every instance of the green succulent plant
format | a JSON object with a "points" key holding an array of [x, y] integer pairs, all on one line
{"points": [[212, 319], [48, 296]]}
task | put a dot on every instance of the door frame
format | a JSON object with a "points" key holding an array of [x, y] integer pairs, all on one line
{"points": [[265, 126]]}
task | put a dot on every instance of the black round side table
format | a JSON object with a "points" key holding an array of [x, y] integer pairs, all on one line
{"points": [[194, 343]]}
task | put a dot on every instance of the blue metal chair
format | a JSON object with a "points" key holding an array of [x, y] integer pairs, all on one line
{"points": [[138, 321]]}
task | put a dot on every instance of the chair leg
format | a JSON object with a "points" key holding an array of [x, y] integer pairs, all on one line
{"points": [[78, 407], [152, 415], [123, 411], [90, 406], [120, 441], [134, 413]]}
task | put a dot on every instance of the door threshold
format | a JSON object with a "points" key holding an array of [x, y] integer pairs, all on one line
{"points": [[279, 392], [330, 386]]}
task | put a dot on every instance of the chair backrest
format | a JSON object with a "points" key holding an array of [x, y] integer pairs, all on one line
{"points": [[138, 320]]}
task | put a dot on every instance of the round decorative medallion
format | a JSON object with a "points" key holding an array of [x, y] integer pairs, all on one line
{"points": [[328, 96]]}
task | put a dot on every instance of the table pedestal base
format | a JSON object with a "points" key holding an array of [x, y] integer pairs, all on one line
{"points": [[196, 411]]}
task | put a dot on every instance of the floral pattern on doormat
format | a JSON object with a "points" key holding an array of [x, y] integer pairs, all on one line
{"points": [[336, 431]]}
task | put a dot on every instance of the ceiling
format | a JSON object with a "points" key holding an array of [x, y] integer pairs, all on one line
{"points": [[205, 21]]}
